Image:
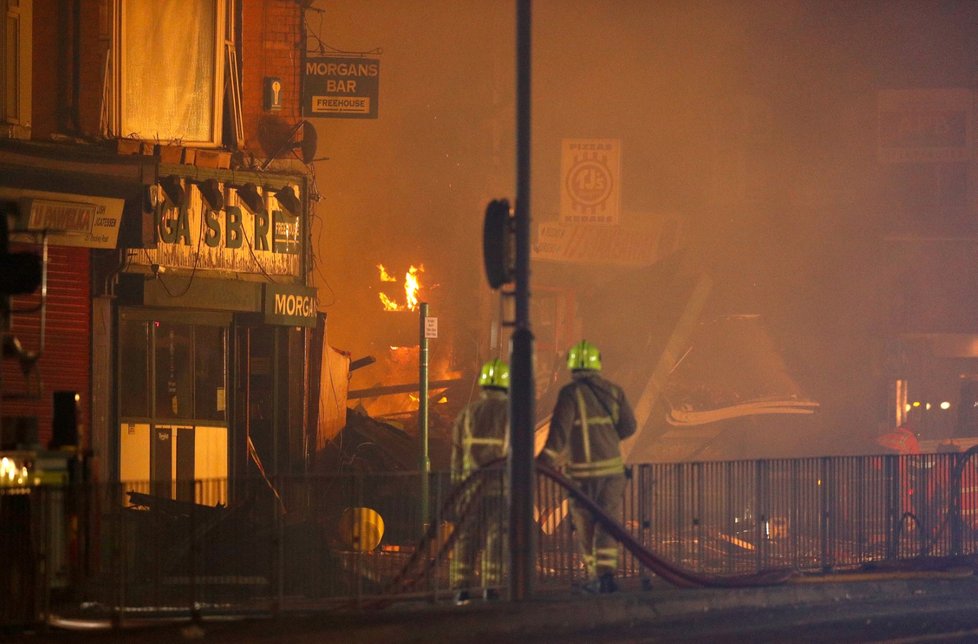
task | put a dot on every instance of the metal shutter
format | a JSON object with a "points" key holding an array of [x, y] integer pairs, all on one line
{"points": [[65, 363]]}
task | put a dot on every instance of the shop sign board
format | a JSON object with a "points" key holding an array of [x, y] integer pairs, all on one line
{"points": [[290, 305], [635, 244], [590, 181], [925, 125], [195, 236], [341, 87], [68, 219]]}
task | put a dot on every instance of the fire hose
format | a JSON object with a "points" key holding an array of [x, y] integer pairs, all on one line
{"points": [[463, 498], [464, 495], [668, 571]]}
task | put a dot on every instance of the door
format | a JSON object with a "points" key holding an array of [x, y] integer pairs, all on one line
{"points": [[172, 384]]}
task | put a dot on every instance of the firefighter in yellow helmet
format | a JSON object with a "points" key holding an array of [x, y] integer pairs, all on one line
{"points": [[590, 419], [481, 435]]}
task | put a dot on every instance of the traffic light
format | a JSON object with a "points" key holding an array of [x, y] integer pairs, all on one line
{"points": [[20, 273], [498, 243]]}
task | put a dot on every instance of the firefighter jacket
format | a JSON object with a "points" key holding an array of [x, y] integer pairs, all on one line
{"points": [[589, 421], [481, 432]]}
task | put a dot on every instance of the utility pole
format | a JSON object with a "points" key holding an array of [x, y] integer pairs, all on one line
{"points": [[522, 398], [424, 460]]}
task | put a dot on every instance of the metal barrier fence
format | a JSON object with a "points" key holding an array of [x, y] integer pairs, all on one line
{"points": [[198, 547]]}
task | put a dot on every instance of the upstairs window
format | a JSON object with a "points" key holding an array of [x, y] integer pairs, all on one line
{"points": [[169, 62], [15, 70]]}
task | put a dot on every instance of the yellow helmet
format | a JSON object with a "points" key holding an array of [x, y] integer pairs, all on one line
{"points": [[584, 355], [494, 373]]}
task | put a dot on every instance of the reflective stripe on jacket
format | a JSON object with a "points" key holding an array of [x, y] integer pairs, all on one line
{"points": [[590, 419], [481, 432]]}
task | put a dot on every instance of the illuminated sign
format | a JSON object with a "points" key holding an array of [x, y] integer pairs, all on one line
{"points": [[234, 239], [289, 304], [68, 219], [590, 181], [341, 87]]}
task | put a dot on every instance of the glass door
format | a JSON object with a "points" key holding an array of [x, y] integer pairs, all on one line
{"points": [[172, 384]]}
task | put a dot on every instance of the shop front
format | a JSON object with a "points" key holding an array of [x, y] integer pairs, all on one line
{"points": [[214, 325], [175, 309]]}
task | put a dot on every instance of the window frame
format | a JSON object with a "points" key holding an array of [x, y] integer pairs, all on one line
{"points": [[223, 18], [16, 75]]}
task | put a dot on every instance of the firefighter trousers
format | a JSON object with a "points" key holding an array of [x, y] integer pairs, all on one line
{"points": [[598, 549], [481, 544]]}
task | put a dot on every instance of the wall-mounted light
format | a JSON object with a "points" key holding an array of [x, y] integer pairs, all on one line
{"points": [[210, 190], [288, 200], [173, 189], [251, 198]]}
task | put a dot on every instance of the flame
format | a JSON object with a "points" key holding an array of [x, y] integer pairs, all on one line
{"points": [[412, 286], [400, 366], [384, 275]]}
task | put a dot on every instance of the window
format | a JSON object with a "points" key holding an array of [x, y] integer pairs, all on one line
{"points": [[15, 72], [169, 62], [180, 366]]}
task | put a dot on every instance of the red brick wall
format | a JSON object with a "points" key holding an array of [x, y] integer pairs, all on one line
{"points": [[44, 69], [96, 37], [270, 46], [54, 109]]}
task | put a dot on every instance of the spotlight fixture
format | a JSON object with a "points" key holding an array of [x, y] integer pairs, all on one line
{"points": [[251, 198], [288, 200], [210, 190], [173, 190]]}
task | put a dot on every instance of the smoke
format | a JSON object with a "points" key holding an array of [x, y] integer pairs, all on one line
{"points": [[755, 122]]}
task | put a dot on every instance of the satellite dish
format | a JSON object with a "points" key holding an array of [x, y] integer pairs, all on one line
{"points": [[301, 137], [308, 143]]}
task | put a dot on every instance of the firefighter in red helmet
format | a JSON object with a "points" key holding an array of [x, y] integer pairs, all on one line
{"points": [[590, 419]]}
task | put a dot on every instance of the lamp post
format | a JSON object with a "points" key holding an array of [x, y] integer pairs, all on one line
{"points": [[425, 461], [522, 400]]}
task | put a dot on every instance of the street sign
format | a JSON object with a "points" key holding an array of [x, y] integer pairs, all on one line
{"points": [[430, 328]]}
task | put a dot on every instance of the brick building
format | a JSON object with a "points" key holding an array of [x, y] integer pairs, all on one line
{"points": [[156, 150]]}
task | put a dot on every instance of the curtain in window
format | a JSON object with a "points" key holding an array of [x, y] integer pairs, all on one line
{"points": [[169, 65]]}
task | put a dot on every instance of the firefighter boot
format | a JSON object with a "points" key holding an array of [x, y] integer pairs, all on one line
{"points": [[607, 583], [591, 587]]}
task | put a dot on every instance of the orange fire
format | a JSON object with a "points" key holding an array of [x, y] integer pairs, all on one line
{"points": [[412, 286]]}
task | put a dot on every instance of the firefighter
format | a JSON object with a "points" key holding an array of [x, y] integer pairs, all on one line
{"points": [[481, 435], [590, 419]]}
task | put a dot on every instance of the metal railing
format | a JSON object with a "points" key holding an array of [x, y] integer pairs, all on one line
{"points": [[198, 547]]}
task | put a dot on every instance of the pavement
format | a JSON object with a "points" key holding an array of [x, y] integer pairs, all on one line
{"points": [[549, 615]]}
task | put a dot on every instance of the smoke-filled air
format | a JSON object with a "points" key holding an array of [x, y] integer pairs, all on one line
{"points": [[727, 198]]}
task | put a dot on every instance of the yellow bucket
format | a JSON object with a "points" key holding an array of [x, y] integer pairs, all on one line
{"points": [[361, 529]]}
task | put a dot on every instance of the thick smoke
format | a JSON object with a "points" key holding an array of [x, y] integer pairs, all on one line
{"points": [[753, 122]]}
